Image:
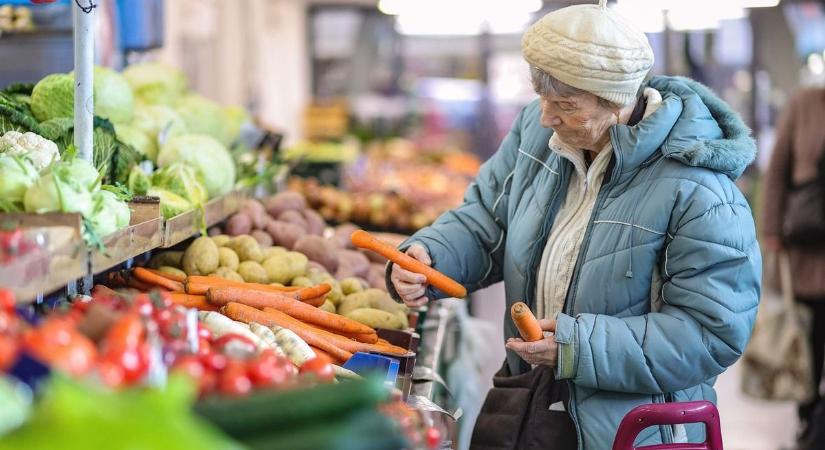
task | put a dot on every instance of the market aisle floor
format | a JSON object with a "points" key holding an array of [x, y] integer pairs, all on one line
{"points": [[747, 424]]}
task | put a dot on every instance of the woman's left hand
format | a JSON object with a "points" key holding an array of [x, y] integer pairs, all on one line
{"points": [[544, 351]]}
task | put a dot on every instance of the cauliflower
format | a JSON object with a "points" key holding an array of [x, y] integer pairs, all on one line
{"points": [[38, 149]]}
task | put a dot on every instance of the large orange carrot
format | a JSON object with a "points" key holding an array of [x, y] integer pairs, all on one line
{"points": [[198, 285], [367, 338], [192, 301], [527, 324], [346, 343], [364, 240], [133, 282], [311, 336], [149, 277], [324, 354], [167, 275], [295, 308]]}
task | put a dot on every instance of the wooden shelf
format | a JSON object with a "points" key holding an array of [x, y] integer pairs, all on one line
{"points": [[66, 257]]}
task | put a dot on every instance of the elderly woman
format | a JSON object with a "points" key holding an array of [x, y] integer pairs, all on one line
{"points": [[610, 208]]}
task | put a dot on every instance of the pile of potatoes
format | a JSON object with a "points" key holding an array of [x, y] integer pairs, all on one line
{"points": [[284, 221], [239, 258]]}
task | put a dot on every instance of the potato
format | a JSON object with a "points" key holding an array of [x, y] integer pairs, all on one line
{"points": [[214, 231], [297, 263], [201, 258], [295, 217], [278, 269], [355, 261], [351, 285], [269, 252], [335, 295], [171, 259], [172, 271], [228, 258], [319, 250], [302, 282], [238, 224], [343, 235], [285, 234], [256, 212], [376, 318], [247, 248], [263, 238], [377, 277], [328, 306], [314, 266], [352, 302], [375, 258], [284, 201], [315, 223], [252, 272], [227, 274], [221, 240]]}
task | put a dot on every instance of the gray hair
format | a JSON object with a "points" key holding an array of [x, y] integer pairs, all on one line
{"points": [[544, 83]]}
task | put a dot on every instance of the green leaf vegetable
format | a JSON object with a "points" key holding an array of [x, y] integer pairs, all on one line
{"points": [[171, 204], [53, 96], [156, 83], [206, 155], [182, 180]]}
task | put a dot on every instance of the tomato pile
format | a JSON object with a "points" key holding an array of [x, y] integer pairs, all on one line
{"points": [[126, 338]]}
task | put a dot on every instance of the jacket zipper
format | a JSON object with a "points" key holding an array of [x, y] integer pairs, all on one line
{"points": [[570, 299]]}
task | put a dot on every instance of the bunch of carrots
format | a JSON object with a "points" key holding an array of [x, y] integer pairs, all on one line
{"points": [[293, 308]]}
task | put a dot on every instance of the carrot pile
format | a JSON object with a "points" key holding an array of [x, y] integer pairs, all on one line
{"points": [[332, 335]]}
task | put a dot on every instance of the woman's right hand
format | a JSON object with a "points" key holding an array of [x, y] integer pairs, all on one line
{"points": [[411, 286]]}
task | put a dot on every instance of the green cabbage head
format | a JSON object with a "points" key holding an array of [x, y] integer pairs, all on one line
{"points": [[156, 83], [182, 180], [53, 96], [139, 140], [203, 116], [208, 156]]}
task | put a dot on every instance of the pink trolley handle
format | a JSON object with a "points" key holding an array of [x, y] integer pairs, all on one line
{"points": [[645, 416]]}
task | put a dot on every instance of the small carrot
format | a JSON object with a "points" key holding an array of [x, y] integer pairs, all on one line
{"points": [[149, 277], [527, 324], [316, 302], [272, 317], [295, 308], [167, 275], [192, 301], [312, 292], [362, 239], [142, 286]]}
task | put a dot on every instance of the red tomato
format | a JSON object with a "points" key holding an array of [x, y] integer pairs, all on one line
{"points": [[208, 382], [204, 333], [265, 371], [319, 367], [214, 361], [8, 321], [433, 437], [143, 306], [9, 347], [111, 374], [7, 301], [59, 344], [190, 366], [204, 348], [234, 381]]}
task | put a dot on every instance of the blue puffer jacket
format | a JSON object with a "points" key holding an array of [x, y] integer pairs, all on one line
{"points": [[665, 289]]}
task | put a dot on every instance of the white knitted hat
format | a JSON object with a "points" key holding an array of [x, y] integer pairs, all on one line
{"points": [[591, 48]]}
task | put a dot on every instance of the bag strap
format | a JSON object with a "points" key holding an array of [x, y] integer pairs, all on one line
{"points": [[786, 280]]}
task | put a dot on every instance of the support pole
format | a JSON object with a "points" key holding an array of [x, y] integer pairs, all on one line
{"points": [[83, 13]]}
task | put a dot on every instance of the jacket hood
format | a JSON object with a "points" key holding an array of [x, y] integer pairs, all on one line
{"points": [[693, 126]]}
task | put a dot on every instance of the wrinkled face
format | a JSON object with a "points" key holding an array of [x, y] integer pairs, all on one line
{"points": [[580, 120]]}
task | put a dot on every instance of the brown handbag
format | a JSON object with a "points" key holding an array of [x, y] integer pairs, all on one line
{"points": [[517, 413], [804, 221]]}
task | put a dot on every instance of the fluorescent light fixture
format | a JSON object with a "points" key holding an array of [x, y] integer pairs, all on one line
{"points": [[459, 17]]}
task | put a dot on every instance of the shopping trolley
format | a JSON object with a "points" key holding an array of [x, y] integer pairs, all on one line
{"points": [[645, 416]]}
